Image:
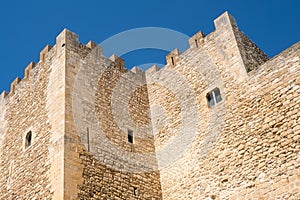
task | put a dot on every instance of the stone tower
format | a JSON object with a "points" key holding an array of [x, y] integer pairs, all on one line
{"points": [[219, 121]]}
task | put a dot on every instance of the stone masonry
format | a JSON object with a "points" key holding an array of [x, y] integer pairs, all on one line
{"points": [[220, 121]]}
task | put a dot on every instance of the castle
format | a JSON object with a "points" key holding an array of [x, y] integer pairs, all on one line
{"points": [[220, 121]]}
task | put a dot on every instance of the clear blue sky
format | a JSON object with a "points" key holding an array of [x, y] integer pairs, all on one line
{"points": [[27, 26]]}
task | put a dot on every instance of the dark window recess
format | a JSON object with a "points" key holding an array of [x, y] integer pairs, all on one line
{"points": [[134, 191], [28, 139], [196, 42], [130, 136], [210, 99], [214, 97], [88, 138], [172, 60]]}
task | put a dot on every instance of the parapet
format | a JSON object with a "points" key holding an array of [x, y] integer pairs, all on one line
{"points": [[138, 71], [197, 39], [226, 19], [91, 45], [250, 57], [96, 49], [120, 62], [2, 97], [240, 54], [152, 70], [67, 37], [28, 68], [14, 85], [173, 57], [43, 53]]}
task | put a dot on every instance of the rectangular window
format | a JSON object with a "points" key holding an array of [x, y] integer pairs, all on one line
{"points": [[214, 97], [196, 42], [130, 136], [88, 138], [172, 61]]}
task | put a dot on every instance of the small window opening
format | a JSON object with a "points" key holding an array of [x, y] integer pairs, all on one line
{"points": [[88, 138], [196, 42], [28, 139], [214, 97], [172, 60], [130, 136], [134, 191], [63, 45]]}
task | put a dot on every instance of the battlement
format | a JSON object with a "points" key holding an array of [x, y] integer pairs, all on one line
{"points": [[28, 69], [120, 62], [66, 37], [14, 85], [197, 39], [44, 53], [137, 70], [224, 20], [173, 57], [250, 57], [3, 97], [91, 45], [152, 70], [230, 42]]}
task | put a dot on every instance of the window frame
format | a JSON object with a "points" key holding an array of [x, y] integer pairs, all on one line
{"points": [[214, 97]]}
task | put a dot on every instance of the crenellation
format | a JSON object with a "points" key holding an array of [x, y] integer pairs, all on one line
{"points": [[3, 96], [197, 39], [67, 37], [173, 57], [14, 85], [152, 70], [44, 52], [29, 67], [96, 49], [226, 20], [120, 62], [139, 72], [91, 44]]}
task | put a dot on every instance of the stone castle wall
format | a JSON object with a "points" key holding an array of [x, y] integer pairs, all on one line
{"points": [[34, 171], [104, 100], [245, 147], [20, 165], [80, 107]]}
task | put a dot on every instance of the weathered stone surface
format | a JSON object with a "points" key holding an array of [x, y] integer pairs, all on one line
{"points": [[81, 106]]}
